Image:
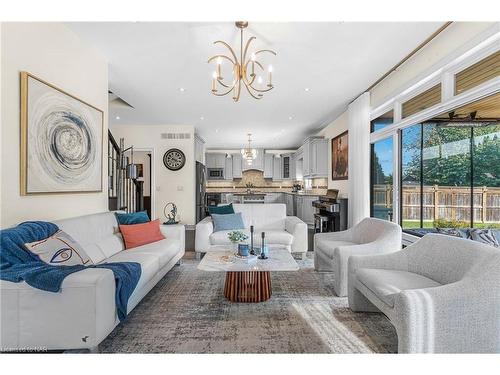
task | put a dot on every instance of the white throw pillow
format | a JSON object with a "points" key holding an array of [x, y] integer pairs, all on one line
{"points": [[60, 249]]}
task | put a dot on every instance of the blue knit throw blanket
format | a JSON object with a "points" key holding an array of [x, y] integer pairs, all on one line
{"points": [[18, 264]]}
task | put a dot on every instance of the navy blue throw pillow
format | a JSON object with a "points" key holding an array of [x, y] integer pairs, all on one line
{"points": [[132, 218], [221, 210]]}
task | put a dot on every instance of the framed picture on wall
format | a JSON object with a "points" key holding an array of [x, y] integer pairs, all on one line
{"points": [[61, 140], [340, 149]]}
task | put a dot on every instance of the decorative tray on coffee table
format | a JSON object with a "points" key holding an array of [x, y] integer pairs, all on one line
{"points": [[247, 259]]}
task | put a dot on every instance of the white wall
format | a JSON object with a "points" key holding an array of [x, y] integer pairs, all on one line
{"points": [[338, 126], [54, 53], [171, 186], [449, 40]]}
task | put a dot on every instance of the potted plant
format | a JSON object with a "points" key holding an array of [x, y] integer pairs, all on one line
{"points": [[236, 237]]}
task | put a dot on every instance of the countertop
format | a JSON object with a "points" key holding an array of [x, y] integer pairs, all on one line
{"points": [[268, 192]]}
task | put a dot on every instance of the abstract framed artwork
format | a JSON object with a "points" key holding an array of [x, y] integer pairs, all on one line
{"points": [[340, 153], [61, 140]]}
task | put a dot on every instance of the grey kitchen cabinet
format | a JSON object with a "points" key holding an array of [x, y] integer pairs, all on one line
{"points": [[299, 203], [307, 209], [210, 160], [237, 169], [289, 204], [268, 165], [228, 168], [273, 198], [199, 149], [315, 157], [293, 167], [215, 160], [277, 169], [285, 166]]}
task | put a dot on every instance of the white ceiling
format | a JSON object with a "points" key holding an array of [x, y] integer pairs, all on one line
{"points": [[150, 62]]}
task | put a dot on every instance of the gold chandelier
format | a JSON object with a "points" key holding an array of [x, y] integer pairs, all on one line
{"points": [[249, 153], [252, 82]]}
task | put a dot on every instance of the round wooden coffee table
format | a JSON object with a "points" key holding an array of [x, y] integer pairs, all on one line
{"points": [[248, 282]]}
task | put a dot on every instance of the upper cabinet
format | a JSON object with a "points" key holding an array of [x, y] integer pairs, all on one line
{"points": [[199, 149], [268, 165], [215, 160], [315, 157], [277, 172], [228, 170], [237, 161]]}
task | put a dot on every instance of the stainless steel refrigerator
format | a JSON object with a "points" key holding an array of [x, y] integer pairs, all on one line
{"points": [[200, 191]]}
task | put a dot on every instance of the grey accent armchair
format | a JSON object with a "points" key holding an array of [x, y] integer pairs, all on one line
{"points": [[368, 237], [442, 294]]}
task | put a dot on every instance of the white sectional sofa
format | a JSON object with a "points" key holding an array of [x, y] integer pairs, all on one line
{"points": [[83, 313], [281, 230]]}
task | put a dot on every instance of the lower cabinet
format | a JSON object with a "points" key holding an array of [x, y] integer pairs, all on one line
{"points": [[289, 204], [273, 198], [305, 209]]}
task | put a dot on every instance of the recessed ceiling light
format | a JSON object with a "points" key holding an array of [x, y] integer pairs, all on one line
{"points": [[307, 89], [216, 130], [202, 118], [117, 117], [290, 118], [182, 89]]}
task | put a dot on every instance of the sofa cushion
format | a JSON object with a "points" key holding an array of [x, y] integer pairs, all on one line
{"points": [[150, 264], [221, 209], [386, 284], [98, 234], [60, 249], [227, 222], [164, 249], [269, 216], [132, 218], [328, 246], [136, 235], [273, 237]]}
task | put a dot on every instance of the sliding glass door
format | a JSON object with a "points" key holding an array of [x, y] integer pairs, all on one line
{"points": [[450, 176], [382, 179]]}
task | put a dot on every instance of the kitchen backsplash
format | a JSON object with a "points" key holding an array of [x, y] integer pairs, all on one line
{"points": [[256, 178]]}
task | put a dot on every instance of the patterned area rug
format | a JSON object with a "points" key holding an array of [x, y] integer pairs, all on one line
{"points": [[187, 313]]}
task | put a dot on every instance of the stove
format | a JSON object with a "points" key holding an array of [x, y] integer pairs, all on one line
{"points": [[330, 213]]}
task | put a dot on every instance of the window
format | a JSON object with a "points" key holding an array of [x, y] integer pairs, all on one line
{"points": [[422, 101], [382, 179], [478, 73], [411, 176], [450, 175], [486, 163], [382, 121]]}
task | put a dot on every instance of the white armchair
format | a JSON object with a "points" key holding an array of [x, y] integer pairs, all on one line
{"points": [[370, 236], [442, 294], [281, 230]]}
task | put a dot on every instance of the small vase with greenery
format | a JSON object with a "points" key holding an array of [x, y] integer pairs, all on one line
{"points": [[236, 237]]}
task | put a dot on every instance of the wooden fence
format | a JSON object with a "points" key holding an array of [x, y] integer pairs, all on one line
{"points": [[442, 203]]}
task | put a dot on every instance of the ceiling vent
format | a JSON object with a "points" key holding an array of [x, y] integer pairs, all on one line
{"points": [[175, 136], [116, 101]]}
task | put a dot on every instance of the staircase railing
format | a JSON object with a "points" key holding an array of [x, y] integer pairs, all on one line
{"points": [[124, 193]]}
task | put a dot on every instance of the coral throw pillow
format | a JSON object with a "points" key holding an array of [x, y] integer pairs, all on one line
{"points": [[141, 234]]}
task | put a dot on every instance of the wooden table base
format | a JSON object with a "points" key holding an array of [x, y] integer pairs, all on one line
{"points": [[248, 286]]}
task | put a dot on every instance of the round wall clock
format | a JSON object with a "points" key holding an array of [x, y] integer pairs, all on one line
{"points": [[174, 159]]}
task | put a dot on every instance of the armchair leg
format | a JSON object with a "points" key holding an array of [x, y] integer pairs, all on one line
{"points": [[198, 256]]}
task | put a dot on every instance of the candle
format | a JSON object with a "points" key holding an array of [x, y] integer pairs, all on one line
{"points": [[253, 65], [270, 80], [214, 82], [219, 63]]}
